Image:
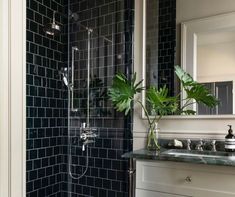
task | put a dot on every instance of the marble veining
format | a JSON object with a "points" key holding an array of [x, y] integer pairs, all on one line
{"points": [[196, 159]]}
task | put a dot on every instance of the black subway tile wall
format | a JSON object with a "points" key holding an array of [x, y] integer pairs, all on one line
{"points": [[46, 100], [47, 105], [167, 43], [111, 51]]}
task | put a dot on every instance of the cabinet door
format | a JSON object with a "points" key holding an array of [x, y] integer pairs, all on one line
{"points": [[146, 193]]}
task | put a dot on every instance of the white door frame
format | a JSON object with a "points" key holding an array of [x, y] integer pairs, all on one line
{"points": [[12, 98]]}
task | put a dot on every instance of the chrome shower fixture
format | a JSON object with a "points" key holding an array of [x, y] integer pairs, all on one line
{"points": [[87, 135], [65, 79], [64, 73], [52, 28]]}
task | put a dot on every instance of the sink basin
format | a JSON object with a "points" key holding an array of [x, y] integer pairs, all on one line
{"points": [[194, 153]]}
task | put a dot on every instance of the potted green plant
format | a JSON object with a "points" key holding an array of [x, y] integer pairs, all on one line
{"points": [[122, 94]]}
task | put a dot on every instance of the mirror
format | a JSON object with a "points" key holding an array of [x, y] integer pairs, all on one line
{"points": [[199, 35]]}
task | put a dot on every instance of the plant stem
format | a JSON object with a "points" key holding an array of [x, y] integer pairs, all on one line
{"points": [[156, 119], [159, 118], [145, 111], [178, 95], [187, 105]]}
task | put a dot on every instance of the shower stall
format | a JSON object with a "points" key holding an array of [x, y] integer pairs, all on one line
{"points": [[75, 138]]}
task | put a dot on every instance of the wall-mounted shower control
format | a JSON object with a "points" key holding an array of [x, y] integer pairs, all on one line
{"points": [[87, 135]]}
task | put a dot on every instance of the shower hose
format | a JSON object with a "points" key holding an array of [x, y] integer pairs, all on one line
{"points": [[70, 163]]}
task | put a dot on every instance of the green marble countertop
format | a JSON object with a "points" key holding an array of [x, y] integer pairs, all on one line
{"points": [[196, 159]]}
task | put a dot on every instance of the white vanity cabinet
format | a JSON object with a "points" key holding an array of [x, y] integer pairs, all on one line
{"points": [[176, 179], [146, 193]]}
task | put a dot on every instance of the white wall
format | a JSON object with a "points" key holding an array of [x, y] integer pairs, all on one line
{"points": [[171, 127], [216, 62]]}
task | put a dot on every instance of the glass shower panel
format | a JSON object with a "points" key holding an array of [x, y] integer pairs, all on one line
{"points": [[106, 51]]}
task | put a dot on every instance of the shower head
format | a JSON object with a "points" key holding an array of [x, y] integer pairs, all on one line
{"points": [[52, 28], [73, 16]]}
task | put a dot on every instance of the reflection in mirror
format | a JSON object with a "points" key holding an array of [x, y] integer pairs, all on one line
{"points": [[208, 47], [159, 43], [216, 68], [206, 54], [151, 41]]}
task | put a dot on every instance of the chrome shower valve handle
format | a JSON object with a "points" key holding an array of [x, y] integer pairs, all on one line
{"points": [[87, 135], [83, 136]]}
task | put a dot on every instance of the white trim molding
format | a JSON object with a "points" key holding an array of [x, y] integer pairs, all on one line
{"points": [[4, 100], [13, 98]]}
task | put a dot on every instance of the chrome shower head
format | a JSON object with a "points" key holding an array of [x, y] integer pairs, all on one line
{"points": [[52, 28]]}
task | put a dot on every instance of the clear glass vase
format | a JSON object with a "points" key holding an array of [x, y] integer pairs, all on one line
{"points": [[152, 138]]}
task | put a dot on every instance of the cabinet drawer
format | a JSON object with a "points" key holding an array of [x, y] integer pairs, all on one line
{"points": [[185, 179]]}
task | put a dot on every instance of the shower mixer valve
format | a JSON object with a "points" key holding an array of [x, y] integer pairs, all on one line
{"points": [[87, 135]]}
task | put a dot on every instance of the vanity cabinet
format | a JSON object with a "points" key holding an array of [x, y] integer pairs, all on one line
{"points": [[146, 193], [175, 179]]}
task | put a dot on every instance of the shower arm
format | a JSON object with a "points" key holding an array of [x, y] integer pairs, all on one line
{"points": [[54, 17], [74, 49]]}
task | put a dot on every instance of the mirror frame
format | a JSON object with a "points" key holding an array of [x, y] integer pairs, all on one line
{"points": [[144, 55], [189, 31]]}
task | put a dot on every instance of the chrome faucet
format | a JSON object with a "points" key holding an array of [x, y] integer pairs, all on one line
{"points": [[199, 145], [188, 144], [213, 144]]}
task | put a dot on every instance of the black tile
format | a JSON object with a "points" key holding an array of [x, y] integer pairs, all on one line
{"points": [[30, 14], [47, 103], [34, 5]]}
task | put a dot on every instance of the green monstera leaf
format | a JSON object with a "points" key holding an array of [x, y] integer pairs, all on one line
{"points": [[160, 102], [194, 90], [122, 92]]}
